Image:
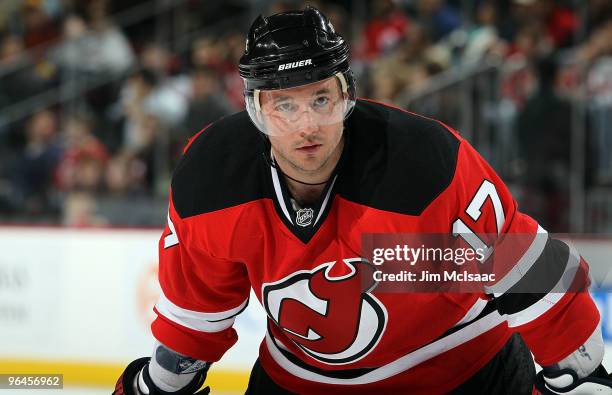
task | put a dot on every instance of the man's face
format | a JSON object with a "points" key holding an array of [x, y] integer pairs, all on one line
{"points": [[305, 124]]}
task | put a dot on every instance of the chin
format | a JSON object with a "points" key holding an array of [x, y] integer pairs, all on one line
{"points": [[309, 166]]}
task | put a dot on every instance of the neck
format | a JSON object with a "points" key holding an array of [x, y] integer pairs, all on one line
{"points": [[307, 187], [305, 195]]}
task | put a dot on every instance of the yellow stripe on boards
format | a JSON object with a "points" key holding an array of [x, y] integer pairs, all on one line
{"points": [[93, 374]]}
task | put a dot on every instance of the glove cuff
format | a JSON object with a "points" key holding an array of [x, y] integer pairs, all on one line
{"points": [[191, 388], [136, 380], [126, 383], [566, 381]]}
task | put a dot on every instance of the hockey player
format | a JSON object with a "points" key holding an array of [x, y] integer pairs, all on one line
{"points": [[276, 198]]}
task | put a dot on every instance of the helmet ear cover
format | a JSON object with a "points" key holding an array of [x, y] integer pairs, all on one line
{"points": [[257, 106]]}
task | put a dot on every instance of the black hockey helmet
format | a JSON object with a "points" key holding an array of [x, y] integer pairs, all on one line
{"points": [[292, 49]]}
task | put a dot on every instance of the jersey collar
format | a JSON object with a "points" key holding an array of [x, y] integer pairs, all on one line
{"points": [[303, 222]]}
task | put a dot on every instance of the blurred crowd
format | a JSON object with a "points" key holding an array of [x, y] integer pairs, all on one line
{"points": [[98, 97]]}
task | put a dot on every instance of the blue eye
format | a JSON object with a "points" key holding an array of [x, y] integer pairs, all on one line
{"points": [[321, 101], [286, 107]]}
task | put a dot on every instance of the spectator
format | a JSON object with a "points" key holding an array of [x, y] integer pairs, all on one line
{"points": [[74, 54], [408, 68], [561, 23], [518, 14], [170, 96], [208, 102], [98, 50], [126, 175], [143, 116], [385, 30], [482, 39], [33, 170], [114, 53], [558, 24], [134, 94], [438, 17], [206, 51], [148, 107], [157, 58], [20, 76], [596, 54], [232, 85], [84, 159], [543, 130], [599, 44], [38, 27], [519, 84]]}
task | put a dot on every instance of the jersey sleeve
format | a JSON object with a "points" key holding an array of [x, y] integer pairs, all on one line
{"points": [[200, 294], [541, 284]]}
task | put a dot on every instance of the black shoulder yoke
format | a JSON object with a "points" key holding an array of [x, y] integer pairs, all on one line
{"points": [[398, 161], [223, 167]]}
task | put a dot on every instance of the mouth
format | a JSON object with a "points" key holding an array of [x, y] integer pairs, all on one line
{"points": [[308, 149]]}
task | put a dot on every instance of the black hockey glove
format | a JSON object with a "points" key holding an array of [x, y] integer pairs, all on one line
{"points": [[130, 384], [566, 381]]}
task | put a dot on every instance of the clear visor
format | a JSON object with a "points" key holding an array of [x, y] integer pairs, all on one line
{"points": [[303, 108]]}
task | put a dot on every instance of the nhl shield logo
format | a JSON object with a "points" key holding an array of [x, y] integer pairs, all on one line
{"points": [[304, 216]]}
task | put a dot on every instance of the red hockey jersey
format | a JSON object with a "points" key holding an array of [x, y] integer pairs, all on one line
{"points": [[231, 227]]}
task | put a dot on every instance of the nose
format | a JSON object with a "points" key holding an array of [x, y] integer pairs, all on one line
{"points": [[308, 123]]}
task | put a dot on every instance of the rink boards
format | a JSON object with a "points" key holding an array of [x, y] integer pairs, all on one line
{"points": [[79, 302]]}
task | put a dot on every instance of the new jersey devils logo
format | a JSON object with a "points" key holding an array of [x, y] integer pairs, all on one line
{"points": [[329, 312]]}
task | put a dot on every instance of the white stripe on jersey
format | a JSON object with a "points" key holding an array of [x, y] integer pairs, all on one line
{"points": [[522, 266], [204, 322], [401, 364], [473, 312], [547, 302], [279, 193], [325, 201]]}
